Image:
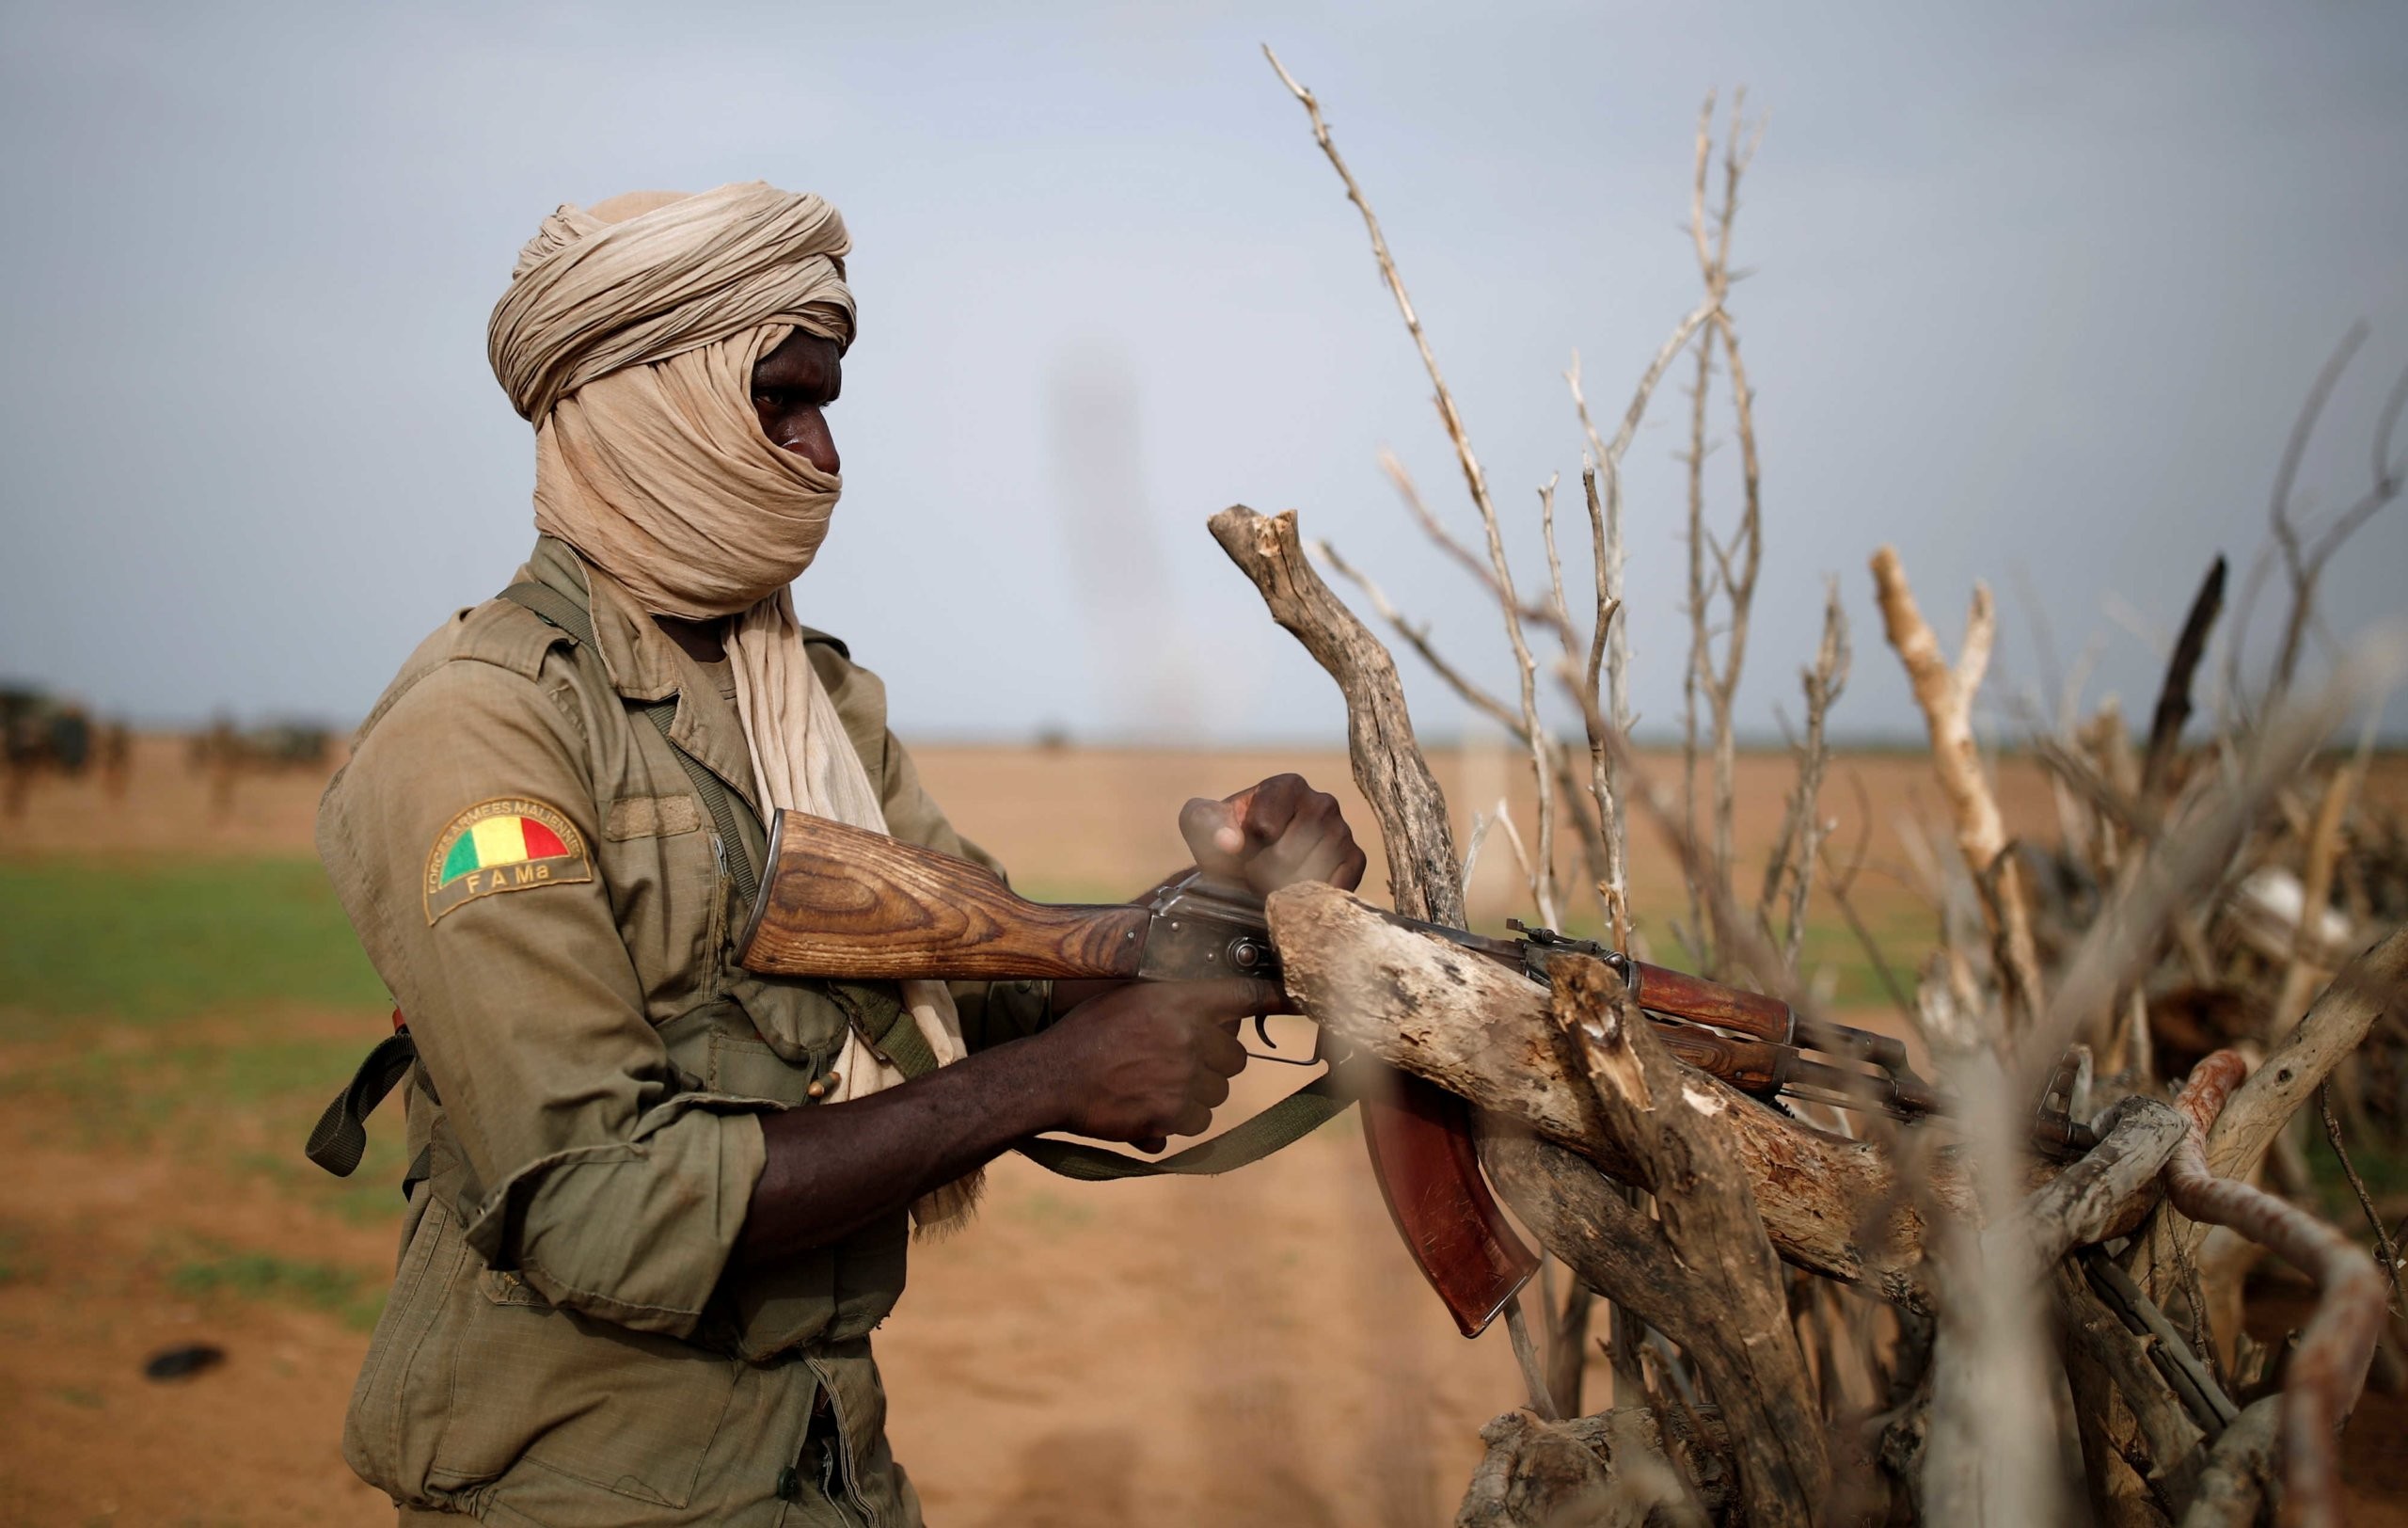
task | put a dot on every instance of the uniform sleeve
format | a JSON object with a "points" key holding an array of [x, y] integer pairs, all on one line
{"points": [[991, 1012], [609, 1190]]}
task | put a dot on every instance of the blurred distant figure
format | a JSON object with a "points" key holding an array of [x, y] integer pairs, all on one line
{"points": [[216, 753], [117, 759], [70, 740], [38, 732], [224, 754]]}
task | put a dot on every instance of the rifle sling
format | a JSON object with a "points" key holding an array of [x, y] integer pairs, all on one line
{"points": [[340, 1139], [1290, 1119]]}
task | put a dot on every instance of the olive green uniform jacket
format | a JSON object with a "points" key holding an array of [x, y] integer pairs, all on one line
{"points": [[535, 876]]}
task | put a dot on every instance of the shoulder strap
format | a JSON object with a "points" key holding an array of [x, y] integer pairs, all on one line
{"points": [[555, 607], [573, 619]]}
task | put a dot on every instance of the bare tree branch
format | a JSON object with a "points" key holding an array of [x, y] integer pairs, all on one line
{"points": [[1799, 847], [1944, 692], [1417, 638], [1474, 481], [2328, 1368], [1388, 766], [2174, 696], [2303, 555]]}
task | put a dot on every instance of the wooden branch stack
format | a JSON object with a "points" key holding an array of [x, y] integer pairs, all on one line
{"points": [[1799, 1308]]}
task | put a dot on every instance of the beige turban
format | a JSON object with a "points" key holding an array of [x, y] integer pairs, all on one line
{"points": [[651, 275], [628, 336]]}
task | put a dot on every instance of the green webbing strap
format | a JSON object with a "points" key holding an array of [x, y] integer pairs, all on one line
{"points": [[555, 607], [341, 1138], [571, 617], [902, 1043], [1290, 1119]]}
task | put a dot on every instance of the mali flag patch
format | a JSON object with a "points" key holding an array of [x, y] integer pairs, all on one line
{"points": [[510, 844]]}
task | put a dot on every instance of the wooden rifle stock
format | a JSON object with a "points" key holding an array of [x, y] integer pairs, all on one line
{"points": [[842, 901]]}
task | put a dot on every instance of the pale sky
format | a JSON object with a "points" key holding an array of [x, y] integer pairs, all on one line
{"points": [[2038, 290]]}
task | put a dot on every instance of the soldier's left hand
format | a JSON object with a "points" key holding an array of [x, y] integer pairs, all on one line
{"points": [[1274, 834]]}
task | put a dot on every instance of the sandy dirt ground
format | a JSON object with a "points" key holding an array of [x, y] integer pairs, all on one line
{"points": [[1251, 1349], [1248, 1350]]}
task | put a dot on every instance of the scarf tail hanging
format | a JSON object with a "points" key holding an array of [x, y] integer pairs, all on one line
{"points": [[804, 760], [628, 335]]}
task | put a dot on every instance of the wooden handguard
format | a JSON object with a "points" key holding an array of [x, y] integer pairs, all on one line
{"points": [[1753, 1066], [1695, 998], [842, 902]]}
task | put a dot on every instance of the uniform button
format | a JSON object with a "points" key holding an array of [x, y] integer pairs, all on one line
{"points": [[834, 1081], [818, 1090]]}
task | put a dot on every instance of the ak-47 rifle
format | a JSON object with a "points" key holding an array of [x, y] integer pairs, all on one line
{"points": [[840, 902]]}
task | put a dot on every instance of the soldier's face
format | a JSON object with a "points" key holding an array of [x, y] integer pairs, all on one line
{"points": [[792, 387]]}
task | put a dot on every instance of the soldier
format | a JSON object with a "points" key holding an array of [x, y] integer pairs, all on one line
{"points": [[656, 1204]]}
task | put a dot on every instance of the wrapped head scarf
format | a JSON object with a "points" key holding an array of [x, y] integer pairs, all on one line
{"points": [[627, 338]]}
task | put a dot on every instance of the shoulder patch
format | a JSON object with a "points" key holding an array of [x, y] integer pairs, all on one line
{"points": [[510, 843]]}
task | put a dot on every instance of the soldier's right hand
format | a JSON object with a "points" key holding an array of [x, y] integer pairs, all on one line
{"points": [[1153, 1060]]}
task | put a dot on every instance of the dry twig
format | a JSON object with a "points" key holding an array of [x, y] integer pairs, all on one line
{"points": [[1799, 845], [2174, 696], [2304, 556], [1605, 683], [1944, 692]]}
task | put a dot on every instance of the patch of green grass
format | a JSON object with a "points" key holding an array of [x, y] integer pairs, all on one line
{"points": [[130, 1094], [370, 1197], [282, 1281], [1048, 1211], [16, 1261], [246, 1105], [1832, 945], [1832, 952], [2382, 1166], [152, 942]]}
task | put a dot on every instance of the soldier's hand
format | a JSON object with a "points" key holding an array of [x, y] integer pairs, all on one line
{"points": [[1153, 1060], [1274, 834]]}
